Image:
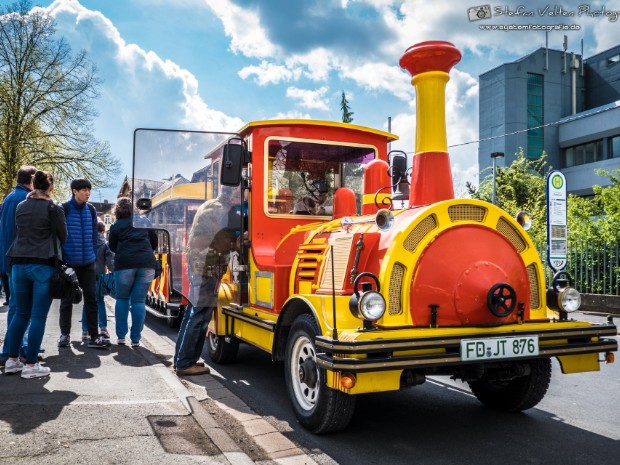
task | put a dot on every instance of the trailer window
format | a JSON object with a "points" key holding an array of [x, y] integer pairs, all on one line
{"points": [[303, 175]]}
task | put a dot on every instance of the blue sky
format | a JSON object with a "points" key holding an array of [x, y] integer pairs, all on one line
{"points": [[218, 64]]}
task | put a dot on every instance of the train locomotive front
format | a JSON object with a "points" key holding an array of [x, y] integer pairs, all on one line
{"points": [[359, 289], [443, 287]]}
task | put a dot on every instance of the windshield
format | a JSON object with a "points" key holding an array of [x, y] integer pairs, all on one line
{"points": [[303, 175], [170, 166], [171, 170]]}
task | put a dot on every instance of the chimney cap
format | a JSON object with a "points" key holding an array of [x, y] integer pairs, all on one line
{"points": [[432, 55]]}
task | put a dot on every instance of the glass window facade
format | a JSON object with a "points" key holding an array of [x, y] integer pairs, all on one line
{"points": [[614, 147], [586, 153], [535, 115]]}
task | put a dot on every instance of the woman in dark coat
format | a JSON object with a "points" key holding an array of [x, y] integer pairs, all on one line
{"points": [[134, 270], [32, 261]]}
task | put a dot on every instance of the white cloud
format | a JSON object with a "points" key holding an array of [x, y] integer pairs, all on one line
{"points": [[268, 73], [243, 26], [144, 85], [317, 63], [140, 89], [379, 77], [312, 99], [293, 114]]}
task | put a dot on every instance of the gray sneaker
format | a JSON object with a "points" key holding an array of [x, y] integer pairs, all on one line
{"points": [[13, 366], [100, 343], [35, 371], [64, 340]]}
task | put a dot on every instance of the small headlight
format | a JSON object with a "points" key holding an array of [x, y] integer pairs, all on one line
{"points": [[569, 299], [372, 305]]}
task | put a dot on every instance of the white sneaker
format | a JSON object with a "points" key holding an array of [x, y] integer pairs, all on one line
{"points": [[35, 371], [13, 366]]}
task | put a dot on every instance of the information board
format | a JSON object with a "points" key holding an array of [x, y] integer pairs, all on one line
{"points": [[557, 231]]}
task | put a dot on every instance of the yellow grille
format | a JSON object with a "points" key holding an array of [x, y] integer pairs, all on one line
{"points": [[417, 234], [467, 213], [511, 234], [532, 275], [309, 257], [342, 250], [394, 298]]}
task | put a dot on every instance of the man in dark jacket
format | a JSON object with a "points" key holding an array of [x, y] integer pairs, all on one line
{"points": [[211, 240], [7, 236], [80, 253]]}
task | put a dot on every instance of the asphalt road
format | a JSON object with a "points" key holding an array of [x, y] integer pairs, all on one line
{"points": [[440, 422]]}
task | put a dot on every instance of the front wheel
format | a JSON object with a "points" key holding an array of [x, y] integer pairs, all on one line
{"points": [[517, 394], [220, 350], [317, 407]]}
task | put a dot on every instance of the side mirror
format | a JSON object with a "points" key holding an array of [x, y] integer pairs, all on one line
{"points": [[143, 204], [398, 170], [232, 162]]}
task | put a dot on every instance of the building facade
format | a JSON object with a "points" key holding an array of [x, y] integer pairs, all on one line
{"points": [[553, 101]]}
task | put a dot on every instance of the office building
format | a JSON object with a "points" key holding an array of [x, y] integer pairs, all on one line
{"points": [[554, 101]]}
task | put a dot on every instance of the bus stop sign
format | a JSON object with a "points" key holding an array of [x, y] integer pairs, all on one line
{"points": [[557, 231]]}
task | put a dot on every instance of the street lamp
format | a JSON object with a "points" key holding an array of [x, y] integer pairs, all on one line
{"points": [[494, 157]]}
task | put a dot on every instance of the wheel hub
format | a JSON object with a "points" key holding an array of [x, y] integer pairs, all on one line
{"points": [[308, 372]]}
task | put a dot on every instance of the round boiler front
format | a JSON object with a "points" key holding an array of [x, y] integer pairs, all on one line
{"points": [[458, 269]]}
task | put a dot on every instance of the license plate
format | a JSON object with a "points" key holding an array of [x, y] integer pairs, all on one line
{"points": [[499, 347]]}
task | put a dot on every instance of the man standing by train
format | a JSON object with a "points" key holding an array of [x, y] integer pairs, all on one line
{"points": [[211, 239]]}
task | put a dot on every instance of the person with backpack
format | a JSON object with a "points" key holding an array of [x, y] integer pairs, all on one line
{"points": [[105, 259], [80, 253]]}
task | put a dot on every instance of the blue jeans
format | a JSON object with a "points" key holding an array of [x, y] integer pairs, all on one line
{"points": [[192, 334], [102, 316], [30, 284], [132, 285], [9, 317]]}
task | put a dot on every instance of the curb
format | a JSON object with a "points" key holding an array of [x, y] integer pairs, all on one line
{"points": [[274, 444]]}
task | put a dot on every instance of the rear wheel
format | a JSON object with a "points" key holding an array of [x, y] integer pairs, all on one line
{"points": [[516, 394], [220, 350], [317, 407]]}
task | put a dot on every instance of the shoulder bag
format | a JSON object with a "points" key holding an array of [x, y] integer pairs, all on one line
{"points": [[64, 283]]}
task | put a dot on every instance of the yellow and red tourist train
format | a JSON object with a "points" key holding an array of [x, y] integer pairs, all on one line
{"points": [[358, 288]]}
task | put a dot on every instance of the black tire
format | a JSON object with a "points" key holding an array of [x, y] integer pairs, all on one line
{"points": [[220, 350], [517, 394], [318, 408]]}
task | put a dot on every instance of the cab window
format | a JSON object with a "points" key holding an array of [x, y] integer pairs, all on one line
{"points": [[303, 175]]}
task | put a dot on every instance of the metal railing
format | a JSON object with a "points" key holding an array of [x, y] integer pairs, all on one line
{"points": [[594, 266]]}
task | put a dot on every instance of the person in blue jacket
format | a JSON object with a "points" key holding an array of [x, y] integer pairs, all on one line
{"points": [[8, 231], [80, 253]]}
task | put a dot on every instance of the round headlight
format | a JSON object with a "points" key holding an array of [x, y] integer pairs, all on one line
{"points": [[372, 305], [569, 299]]}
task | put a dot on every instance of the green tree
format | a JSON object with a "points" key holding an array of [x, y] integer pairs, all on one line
{"points": [[607, 206], [47, 103], [347, 114], [520, 186]]}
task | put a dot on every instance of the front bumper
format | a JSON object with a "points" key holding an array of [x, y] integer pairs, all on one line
{"points": [[381, 350]]}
